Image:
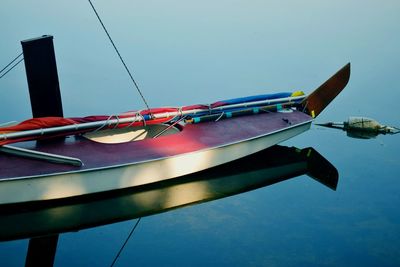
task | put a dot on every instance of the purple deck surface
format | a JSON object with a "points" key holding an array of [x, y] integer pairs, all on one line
{"points": [[193, 137]]}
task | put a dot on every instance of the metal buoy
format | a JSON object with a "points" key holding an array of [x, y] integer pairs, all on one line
{"points": [[361, 127]]}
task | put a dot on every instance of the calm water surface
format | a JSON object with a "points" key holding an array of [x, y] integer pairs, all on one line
{"points": [[184, 52]]}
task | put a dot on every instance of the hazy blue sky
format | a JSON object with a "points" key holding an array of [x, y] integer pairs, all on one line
{"points": [[184, 52]]}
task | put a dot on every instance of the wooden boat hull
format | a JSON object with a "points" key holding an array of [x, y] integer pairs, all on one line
{"points": [[117, 166]]}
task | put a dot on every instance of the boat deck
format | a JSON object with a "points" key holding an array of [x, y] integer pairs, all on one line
{"points": [[192, 138]]}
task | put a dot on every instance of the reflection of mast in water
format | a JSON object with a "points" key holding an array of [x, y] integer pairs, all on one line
{"points": [[267, 167]]}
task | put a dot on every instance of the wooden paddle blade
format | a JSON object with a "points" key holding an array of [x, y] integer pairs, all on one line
{"points": [[318, 100]]}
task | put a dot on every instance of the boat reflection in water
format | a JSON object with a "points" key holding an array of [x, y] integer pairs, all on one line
{"points": [[267, 167]]}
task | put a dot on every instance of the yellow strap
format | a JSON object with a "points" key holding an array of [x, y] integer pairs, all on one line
{"points": [[297, 93]]}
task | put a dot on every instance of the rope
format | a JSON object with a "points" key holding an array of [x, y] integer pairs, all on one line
{"points": [[116, 125], [119, 55], [126, 241], [130, 124], [169, 127], [106, 123], [12, 66], [11, 62], [141, 116], [397, 130], [222, 114]]}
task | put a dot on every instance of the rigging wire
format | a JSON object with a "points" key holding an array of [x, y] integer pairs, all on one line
{"points": [[11, 62], [3, 69], [119, 55], [126, 241]]}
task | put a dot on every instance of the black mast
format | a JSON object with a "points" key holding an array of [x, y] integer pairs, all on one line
{"points": [[41, 73], [44, 92]]}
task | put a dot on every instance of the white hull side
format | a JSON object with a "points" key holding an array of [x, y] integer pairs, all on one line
{"points": [[119, 177]]}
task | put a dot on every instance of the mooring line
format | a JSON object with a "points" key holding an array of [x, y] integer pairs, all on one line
{"points": [[119, 55], [126, 241], [12, 66]]}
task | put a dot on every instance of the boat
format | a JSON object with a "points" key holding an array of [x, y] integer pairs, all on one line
{"points": [[44, 159]]}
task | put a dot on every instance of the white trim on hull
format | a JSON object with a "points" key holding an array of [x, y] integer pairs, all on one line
{"points": [[72, 184]]}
